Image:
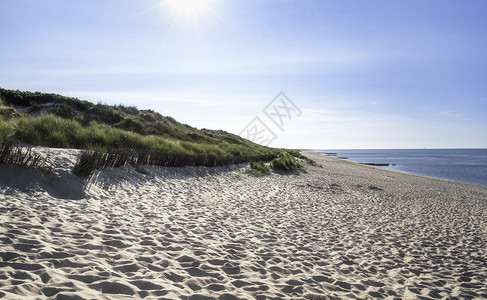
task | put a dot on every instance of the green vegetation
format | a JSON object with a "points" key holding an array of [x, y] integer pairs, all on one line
{"points": [[89, 161], [286, 160], [287, 163], [259, 168], [8, 112], [297, 154], [10, 154], [56, 121], [143, 122], [53, 131]]}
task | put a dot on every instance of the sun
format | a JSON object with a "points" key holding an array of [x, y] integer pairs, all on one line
{"points": [[190, 9]]}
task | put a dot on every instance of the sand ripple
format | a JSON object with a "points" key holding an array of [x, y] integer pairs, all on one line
{"points": [[341, 231]]}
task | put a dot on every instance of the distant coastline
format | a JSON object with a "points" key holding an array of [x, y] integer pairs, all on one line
{"points": [[459, 165]]}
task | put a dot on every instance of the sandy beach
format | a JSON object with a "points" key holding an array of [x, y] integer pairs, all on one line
{"points": [[342, 230]]}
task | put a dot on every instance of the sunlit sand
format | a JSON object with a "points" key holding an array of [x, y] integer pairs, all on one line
{"points": [[344, 230]]}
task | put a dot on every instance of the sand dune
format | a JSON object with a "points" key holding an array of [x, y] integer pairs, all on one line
{"points": [[341, 231]]}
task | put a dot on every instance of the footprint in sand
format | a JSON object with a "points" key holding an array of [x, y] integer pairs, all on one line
{"points": [[113, 288]]}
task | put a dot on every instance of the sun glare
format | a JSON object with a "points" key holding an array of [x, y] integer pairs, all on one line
{"points": [[189, 8]]}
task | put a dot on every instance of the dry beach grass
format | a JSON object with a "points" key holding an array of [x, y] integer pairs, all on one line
{"points": [[342, 231]]}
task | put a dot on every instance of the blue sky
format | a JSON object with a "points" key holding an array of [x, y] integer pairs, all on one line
{"points": [[365, 74]]}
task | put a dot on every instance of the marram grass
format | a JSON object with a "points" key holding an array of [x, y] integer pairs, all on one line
{"points": [[89, 161], [108, 131], [14, 155], [287, 163], [259, 168], [54, 131]]}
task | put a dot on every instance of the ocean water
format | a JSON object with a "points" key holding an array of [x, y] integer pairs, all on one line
{"points": [[462, 165]]}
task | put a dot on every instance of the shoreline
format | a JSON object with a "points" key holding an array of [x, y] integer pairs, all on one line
{"points": [[394, 164], [343, 230]]}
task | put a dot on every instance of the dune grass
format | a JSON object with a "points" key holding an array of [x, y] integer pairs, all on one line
{"points": [[287, 163], [89, 161], [54, 131], [113, 147], [10, 154], [130, 119], [117, 135], [259, 168], [297, 154]]}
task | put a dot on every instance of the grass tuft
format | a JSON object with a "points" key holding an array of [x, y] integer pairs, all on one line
{"points": [[298, 154], [287, 163], [259, 168], [20, 156], [89, 161]]}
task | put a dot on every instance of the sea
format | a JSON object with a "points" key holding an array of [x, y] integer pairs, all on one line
{"points": [[461, 165]]}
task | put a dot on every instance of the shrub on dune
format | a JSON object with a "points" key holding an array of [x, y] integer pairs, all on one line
{"points": [[259, 168], [286, 162]]}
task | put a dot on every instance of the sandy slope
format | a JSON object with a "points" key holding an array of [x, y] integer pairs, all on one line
{"points": [[344, 230]]}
